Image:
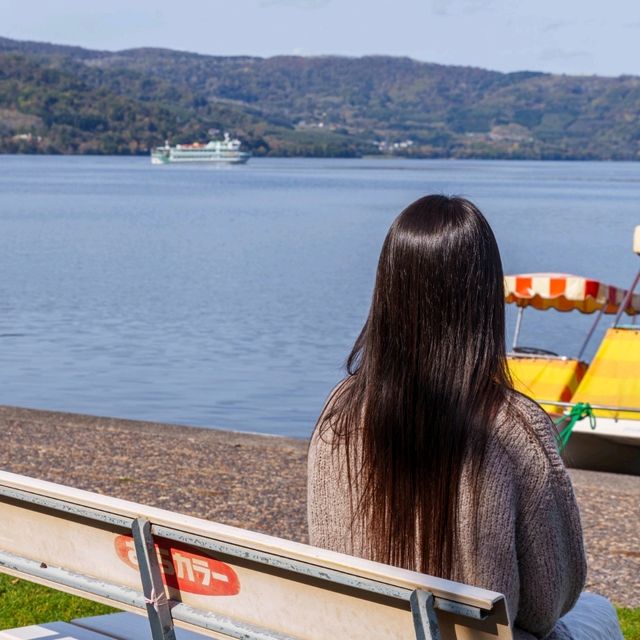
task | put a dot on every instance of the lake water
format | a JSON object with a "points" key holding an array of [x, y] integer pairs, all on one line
{"points": [[229, 297]]}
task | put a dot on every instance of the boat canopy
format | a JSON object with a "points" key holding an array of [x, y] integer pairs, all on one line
{"points": [[566, 292]]}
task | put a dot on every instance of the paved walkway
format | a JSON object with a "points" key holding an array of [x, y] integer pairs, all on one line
{"points": [[259, 482]]}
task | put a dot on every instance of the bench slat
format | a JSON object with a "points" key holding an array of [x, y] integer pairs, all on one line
{"points": [[53, 631], [127, 626]]}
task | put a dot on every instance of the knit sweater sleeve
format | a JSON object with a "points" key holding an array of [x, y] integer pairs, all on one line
{"points": [[549, 544]]}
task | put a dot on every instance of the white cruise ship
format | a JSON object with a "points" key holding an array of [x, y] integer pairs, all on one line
{"points": [[225, 151]]}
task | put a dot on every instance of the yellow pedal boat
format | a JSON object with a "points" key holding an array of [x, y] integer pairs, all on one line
{"points": [[608, 388]]}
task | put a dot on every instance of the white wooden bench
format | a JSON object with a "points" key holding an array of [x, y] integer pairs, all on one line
{"points": [[220, 581]]}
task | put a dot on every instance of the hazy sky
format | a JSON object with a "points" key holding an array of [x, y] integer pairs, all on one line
{"points": [[562, 36]]}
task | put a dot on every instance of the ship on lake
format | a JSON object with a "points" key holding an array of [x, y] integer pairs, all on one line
{"points": [[225, 151]]}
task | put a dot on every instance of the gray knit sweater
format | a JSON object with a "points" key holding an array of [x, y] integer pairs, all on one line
{"points": [[530, 538]]}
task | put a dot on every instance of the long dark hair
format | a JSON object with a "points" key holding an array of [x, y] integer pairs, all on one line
{"points": [[426, 376]]}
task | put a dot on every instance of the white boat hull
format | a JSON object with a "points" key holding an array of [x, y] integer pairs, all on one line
{"points": [[207, 160], [613, 446], [619, 431], [201, 160]]}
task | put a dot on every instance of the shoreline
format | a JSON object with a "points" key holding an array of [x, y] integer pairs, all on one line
{"points": [[376, 158], [258, 481]]}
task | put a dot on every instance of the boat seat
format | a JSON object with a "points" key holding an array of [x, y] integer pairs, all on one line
{"points": [[533, 351]]}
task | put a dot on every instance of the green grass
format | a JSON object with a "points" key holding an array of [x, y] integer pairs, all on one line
{"points": [[23, 603], [630, 623]]}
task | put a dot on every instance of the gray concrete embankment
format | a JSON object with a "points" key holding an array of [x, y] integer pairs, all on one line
{"points": [[259, 482]]}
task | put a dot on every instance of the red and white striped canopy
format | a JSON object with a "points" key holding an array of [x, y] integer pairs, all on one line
{"points": [[566, 293]]}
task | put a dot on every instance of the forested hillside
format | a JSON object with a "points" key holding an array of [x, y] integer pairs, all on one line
{"points": [[56, 99]]}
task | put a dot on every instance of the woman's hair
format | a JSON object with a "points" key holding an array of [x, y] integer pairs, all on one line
{"points": [[427, 375]]}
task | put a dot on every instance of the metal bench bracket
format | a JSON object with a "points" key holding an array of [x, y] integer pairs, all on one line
{"points": [[158, 609], [424, 615]]}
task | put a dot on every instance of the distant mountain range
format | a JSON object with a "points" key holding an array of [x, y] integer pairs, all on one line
{"points": [[61, 99]]}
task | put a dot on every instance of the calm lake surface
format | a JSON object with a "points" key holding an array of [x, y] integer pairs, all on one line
{"points": [[229, 297]]}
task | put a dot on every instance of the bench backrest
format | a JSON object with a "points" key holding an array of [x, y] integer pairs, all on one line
{"points": [[223, 581]]}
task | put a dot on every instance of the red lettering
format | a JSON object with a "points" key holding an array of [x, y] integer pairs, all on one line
{"points": [[183, 569]]}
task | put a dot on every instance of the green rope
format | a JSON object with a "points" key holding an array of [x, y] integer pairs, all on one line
{"points": [[578, 412]]}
